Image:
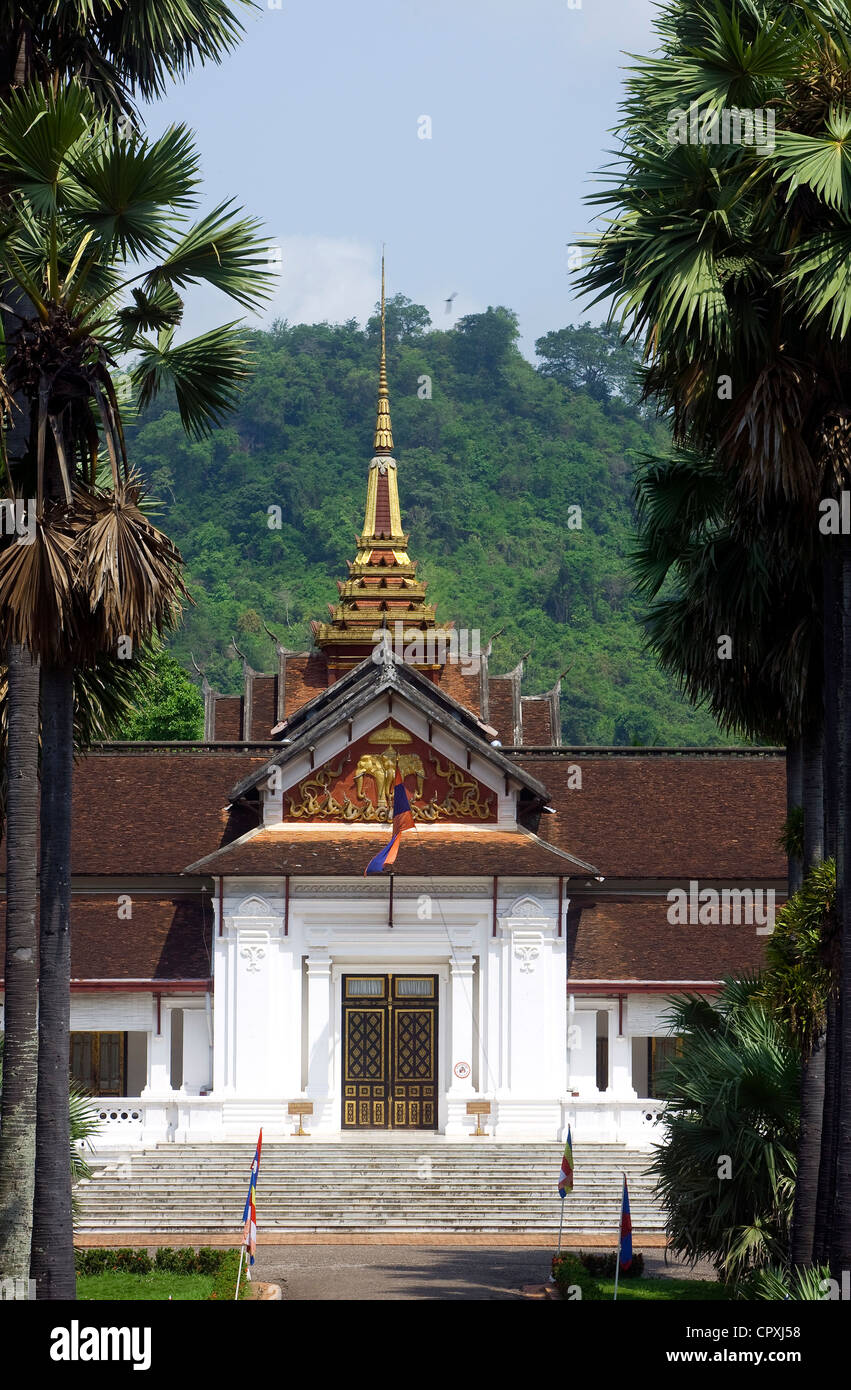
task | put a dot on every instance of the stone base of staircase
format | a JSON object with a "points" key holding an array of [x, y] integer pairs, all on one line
{"points": [[345, 1192]]}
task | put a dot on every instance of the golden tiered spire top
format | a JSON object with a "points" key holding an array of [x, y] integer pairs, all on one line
{"points": [[382, 590], [383, 429]]}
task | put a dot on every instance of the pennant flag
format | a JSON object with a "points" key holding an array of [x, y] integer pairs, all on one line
{"points": [[249, 1216], [625, 1250], [402, 820], [565, 1177]]}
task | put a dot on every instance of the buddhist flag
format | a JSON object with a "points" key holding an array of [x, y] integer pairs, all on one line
{"points": [[249, 1216], [402, 820], [625, 1249], [565, 1177]]}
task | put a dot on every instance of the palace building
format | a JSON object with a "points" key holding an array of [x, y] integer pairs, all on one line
{"points": [[231, 959]]}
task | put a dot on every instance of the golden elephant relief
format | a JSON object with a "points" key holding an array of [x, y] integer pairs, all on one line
{"points": [[381, 767], [373, 781]]}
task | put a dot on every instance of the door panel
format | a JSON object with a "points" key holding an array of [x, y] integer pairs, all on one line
{"points": [[389, 1052]]}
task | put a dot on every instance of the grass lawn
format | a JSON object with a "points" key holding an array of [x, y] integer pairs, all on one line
{"points": [[159, 1284], [679, 1290]]}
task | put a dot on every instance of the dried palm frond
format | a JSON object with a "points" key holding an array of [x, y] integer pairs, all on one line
{"points": [[765, 441], [37, 581], [129, 571]]}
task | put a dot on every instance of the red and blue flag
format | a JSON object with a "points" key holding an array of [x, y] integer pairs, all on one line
{"points": [[249, 1216], [565, 1177], [625, 1250], [402, 820]]}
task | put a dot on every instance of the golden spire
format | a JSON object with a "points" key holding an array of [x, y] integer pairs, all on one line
{"points": [[383, 430]]}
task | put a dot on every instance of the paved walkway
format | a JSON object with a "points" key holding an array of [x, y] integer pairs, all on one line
{"points": [[381, 1272]]}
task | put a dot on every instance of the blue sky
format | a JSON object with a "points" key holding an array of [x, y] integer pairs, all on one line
{"points": [[312, 125]]}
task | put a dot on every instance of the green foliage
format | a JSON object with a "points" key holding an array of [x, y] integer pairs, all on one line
{"points": [[169, 708], [779, 1283], [487, 469], [97, 1261], [733, 1097], [224, 1284], [592, 359], [798, 977], [791, 837], [601, 1264], [184, 1260], [570, 1273]]}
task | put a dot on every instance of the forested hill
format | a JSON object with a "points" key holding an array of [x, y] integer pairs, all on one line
{"points": [[488, 467]]}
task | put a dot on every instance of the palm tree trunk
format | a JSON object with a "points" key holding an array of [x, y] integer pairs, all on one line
{"points": [[827, 1161], [53, 1235], [812, 1067], [20, 1052], [809, 1156], [841, 1221], [813, 791], [794, 797]]}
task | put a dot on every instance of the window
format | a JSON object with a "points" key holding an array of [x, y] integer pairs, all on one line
{"points": [[660, 1051], [99, 1062], [370, 986], [420, 986]]}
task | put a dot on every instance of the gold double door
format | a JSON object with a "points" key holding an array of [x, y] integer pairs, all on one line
{"points": [[390, 1051]]}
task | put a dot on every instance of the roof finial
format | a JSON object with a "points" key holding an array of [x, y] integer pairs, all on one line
{"points": [[383, 430]]}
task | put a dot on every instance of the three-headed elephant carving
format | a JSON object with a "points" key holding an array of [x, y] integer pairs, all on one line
{"points": [[381, 769], [411, 765]]}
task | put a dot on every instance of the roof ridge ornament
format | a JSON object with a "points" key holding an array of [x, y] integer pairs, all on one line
{"points": [[383, 429]]}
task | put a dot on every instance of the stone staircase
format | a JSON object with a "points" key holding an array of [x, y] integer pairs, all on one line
{"points": [[356, 1186]]}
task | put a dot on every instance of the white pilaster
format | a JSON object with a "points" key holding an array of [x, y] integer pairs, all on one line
{"points": [[319, 1025]]}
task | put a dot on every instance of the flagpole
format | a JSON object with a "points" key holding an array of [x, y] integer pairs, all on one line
{"points": [[560, 1224], [239, 1274], [620, 1237]]}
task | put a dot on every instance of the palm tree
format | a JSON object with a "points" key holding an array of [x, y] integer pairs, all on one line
{"points": [[91, 208], [120, 50], [770, 688], [799, 981], [731, 259], [726, 1170], [18, 1134]]}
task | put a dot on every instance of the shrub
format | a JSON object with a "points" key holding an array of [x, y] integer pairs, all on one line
{"points": [[108, 1261], [183, 1261], [225, 1280], [569, 1271], [778, 1283], [210, 1260], [602, 1264]]}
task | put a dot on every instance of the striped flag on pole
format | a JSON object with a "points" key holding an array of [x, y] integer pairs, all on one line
{"points": [[625, 1248], [249, 1216], [403, 819], [565, 1177]]}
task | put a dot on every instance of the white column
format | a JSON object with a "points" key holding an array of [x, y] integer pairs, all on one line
{"points": [[159, 1056], [158, 1092], [462, 1034], [461, 1038], [621, 1056], [319, 1026]]}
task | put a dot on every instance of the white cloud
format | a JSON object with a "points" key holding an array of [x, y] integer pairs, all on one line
{"points": [[325, 278]]}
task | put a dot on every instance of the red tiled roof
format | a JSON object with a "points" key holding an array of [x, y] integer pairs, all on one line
{"points": [[334, 851], [537, 722], [667, 816], [166, 938], [633, 940], [154, 812], [500, 707], [264, 693], [307, 675]]}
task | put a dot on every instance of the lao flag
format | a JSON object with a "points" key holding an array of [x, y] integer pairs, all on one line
{"points": [[249, 1216], [565, 1178], [402, 820], [625, 1251]]}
